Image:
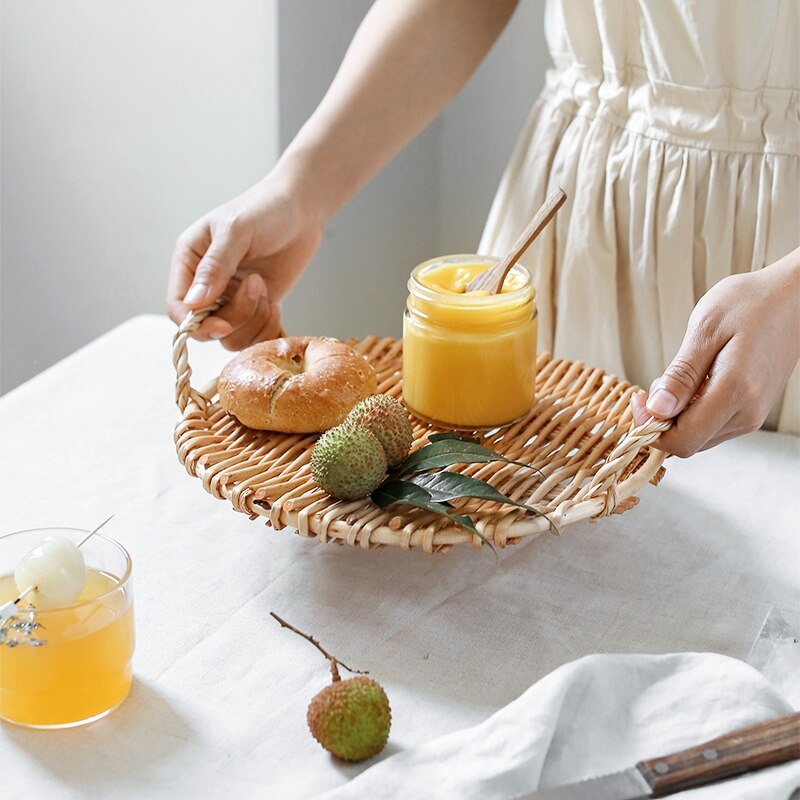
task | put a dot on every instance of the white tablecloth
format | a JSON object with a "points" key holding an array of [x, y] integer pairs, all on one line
{"points": [[220, 691]]}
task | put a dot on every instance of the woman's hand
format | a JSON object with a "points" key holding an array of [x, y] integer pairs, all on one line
{"points": [[249, 251], [741, 345]]}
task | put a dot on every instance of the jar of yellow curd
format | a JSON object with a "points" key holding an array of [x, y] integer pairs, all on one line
{"points": [[469, 358]]}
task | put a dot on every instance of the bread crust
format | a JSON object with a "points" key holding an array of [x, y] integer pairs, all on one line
{"points": [[299, 384]]}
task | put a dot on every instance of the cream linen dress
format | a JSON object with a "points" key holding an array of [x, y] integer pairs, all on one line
{"points": [[674, 128]]}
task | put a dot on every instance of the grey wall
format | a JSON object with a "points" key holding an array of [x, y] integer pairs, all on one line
{"points": [[356, 283], [480, 128], [432, 199], [122, 122]]}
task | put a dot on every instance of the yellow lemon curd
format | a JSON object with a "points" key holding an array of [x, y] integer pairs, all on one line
{"points": [[83, 670], [469, 358]]}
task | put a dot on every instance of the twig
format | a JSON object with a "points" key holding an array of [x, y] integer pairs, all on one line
{"points": [[335, 662]]}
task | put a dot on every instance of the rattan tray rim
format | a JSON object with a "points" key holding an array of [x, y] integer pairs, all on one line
{"points": [[364, 524]]}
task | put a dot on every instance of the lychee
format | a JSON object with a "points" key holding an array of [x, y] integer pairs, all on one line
{"points": [[351, 718], [348, 462], [387, 419]]}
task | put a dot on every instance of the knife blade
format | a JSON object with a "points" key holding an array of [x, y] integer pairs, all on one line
{"points": [[745, 750], [775, 653]]}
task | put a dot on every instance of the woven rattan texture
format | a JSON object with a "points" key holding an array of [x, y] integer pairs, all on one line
{"points": [[574, 436]]}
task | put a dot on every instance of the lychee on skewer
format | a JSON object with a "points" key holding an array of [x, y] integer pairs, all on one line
{"points": [[56, 571]]}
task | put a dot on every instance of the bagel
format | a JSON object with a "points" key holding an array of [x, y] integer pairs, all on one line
{"points": [[300, 384]]}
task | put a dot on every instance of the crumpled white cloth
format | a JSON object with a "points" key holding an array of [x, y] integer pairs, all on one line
{"points": [[596, 715]]}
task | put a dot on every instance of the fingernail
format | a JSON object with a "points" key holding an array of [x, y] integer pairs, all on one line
{"points": [[638, 409], [253, 288], [197, 292], [220, 328], [662, 403]]}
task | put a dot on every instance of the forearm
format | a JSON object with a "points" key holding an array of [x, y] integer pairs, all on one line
{"points": [[785, 277], [787, 269], [408, 59]]}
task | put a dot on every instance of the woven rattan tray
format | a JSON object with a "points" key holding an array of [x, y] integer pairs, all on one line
{"points": [[578, 434]]}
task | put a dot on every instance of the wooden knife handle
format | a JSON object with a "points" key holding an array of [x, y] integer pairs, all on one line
{"points": [[745, 750]]}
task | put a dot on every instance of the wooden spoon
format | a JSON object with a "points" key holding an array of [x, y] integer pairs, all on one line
{"points": [[492, 279]]}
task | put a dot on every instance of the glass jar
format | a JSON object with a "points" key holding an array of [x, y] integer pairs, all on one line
{"points": [[469, 358]]}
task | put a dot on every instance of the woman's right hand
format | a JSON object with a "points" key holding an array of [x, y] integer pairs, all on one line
{"points": [[249, 251]]}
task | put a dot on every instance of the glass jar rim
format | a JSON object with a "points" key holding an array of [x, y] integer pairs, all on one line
{"points": [[469, 299], [89, 601]]}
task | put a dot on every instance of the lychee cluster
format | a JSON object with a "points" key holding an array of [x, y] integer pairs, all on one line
{"points": [[351, 460]]}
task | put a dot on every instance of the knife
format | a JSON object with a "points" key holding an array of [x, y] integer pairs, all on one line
{"points": [[745, 750]]}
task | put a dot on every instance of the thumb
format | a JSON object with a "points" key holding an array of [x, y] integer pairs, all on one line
{"points": [[673, 391], [215, 270]]}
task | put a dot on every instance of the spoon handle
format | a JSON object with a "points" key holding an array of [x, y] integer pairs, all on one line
{"points": [[536, 226], [492, 280]]}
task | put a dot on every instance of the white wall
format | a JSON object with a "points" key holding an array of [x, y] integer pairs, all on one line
{"points": [[122, 122]]}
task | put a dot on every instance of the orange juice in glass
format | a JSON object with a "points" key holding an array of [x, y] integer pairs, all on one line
{"points": [[71, 664]]}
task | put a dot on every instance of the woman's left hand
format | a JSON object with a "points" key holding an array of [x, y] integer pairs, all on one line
{"points": [[741, 345]]}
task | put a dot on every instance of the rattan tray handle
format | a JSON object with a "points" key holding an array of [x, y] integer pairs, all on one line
{"points": [[605, 480], [180, 358], [602, 484]]}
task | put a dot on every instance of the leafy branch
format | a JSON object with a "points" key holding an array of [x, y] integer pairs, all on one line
{"points": [[415, 483]]}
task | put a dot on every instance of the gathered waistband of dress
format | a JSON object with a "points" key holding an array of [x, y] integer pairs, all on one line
{"points": [[722, 119]]}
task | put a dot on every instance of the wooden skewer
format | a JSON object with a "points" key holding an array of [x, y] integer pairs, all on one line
{"points": [[93, 532], [7, 609]]}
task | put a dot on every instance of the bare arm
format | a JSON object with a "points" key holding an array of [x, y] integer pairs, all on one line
{"points": [[404, 65], [407, 60]]}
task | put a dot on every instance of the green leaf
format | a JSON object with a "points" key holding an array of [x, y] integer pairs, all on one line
{"points": [[446, 452], [440, 437], [466, 522], [404, 492], [399, 491], [446, 486]]}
